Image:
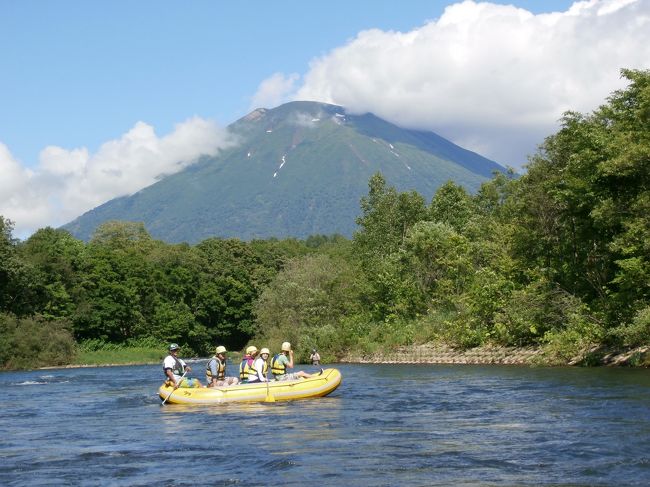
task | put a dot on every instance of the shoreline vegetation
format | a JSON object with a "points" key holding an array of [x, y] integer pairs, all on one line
{"points": [[548, 267], [425, 354]]}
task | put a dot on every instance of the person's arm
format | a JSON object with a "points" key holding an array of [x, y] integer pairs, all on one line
{"points": [[187, 368], [170, 376], [213, 369], [290, 362], [168, 364], [259, 369]]}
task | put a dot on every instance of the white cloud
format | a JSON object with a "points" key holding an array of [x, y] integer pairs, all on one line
{"points": [[274, 90], [493, 78], [67, 183]]}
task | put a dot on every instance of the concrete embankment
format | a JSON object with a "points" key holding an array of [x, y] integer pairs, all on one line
{"points": [[442, 354]]}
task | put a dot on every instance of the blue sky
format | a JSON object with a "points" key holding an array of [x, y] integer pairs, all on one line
{"points": [[77, 73], [87, 84]]}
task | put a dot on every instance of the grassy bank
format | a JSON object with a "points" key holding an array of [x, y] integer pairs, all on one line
{"points": [[114, 355], [124, 356], [98, 352]]}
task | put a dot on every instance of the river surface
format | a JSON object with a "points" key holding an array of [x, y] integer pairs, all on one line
{"points": [[402, 425]]}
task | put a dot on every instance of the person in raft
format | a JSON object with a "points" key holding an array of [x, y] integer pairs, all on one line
{"points": [[215, 372], [283, 361], [314, 357], [247, 363], [175, 369], [260, 367]]}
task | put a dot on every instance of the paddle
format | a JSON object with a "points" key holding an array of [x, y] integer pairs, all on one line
{"points": [[179, 383], [269, 396]]}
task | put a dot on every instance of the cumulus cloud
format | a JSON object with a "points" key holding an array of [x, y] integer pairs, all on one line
{"points": [[492, 78], [67, 183], [274, 90]]}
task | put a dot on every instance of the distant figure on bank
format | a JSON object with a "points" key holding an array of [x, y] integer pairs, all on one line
{"points": [[215, 372], [314, 357], [283, 361], [175, 369], [258, 371], [247, 363]]}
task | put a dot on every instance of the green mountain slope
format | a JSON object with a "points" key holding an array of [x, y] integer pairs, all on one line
{"points": [[299, 169]]}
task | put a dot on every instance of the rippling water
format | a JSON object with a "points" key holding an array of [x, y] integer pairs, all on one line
{"points": [[386, 425]]}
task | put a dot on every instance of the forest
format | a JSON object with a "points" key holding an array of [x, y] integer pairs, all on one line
{"points": [[556, 258]]}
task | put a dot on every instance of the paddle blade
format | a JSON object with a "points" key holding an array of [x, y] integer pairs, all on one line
{"points": [[269, 398]]}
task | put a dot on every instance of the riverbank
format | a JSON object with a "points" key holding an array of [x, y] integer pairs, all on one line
{"points": [[443, 354]]}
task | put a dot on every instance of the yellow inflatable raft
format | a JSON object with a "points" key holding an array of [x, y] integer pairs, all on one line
{"points": [[316, 386]]}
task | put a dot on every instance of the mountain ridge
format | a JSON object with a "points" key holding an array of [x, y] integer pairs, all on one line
{"points": [[299, 169]]}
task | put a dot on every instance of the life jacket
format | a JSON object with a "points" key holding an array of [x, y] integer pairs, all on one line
{"points": [[252, 371], [278, 368], [221, 369], [244, 367], [178, 369]]}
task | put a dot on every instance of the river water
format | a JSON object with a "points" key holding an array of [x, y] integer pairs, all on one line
{"points": [[403, 425]]}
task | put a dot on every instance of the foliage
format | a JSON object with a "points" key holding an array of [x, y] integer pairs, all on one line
{"points": [[452, 205], [438, 257], [306, 302], [582, 208], [533, 311], [33, 342], [637, 333], [386, 218], [20, 286], [574, 343]]}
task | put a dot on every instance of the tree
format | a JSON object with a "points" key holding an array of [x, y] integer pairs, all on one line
{"points": [[54, 255], [118, 293], [19, 283], [7, 264], [121, 234], [386, 218], [582, 208], [312, 294], [453, 205]]}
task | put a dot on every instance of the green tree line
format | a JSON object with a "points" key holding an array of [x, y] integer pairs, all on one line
{"points": [[123, 287], [558, 258]]}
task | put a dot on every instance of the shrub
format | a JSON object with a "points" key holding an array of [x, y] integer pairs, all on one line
{"points": [[533, 311], [33, 342], [575, 343], [636, 333]]}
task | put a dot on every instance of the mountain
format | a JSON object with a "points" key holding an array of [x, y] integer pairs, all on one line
{"points": [[298, 169]]}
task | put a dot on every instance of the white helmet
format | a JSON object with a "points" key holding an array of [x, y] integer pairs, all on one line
{"points": [[221, 349], [265, 351], [286, 347]]}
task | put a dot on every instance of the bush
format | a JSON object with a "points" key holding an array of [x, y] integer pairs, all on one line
{"points": [[34, 342], [535, 310], [575, 343], [637, 333], [463, 332]]}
